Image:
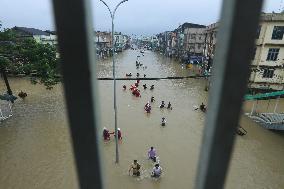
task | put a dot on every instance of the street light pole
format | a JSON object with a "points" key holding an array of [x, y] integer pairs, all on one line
{"points": [[114, 79]]}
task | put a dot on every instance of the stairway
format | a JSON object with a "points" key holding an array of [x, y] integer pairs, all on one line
{"points": [[274, 121]]}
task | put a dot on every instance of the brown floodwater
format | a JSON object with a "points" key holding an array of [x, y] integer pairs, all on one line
{"points": [[35, 148]]}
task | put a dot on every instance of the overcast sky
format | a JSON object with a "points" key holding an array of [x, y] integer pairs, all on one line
{"points": [[141, 17]]}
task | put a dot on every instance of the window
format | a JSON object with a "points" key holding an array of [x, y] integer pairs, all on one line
{"points": [[272, 54], [278, 32], [199, 46], [258, 31], [192, 36], [268, 73]]}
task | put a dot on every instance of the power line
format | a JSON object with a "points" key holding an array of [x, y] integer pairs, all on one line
{"points": [[155, 78]]}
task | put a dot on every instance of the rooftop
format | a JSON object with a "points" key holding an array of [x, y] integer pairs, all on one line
{"points": [[30, 31], [272, 17]]}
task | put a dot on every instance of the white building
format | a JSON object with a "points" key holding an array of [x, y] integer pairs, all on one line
{"points": [[267, 72], [268, 57], [43, 37]]}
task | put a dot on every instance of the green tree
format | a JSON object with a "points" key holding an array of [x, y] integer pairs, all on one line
{"points": [[26, 56]]}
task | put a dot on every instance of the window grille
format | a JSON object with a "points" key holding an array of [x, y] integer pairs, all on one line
{"points": [[268, 73], [231, 60], [272, 54]]}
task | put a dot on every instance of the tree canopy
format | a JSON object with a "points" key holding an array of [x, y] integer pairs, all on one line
{"points": [[26, 56]]}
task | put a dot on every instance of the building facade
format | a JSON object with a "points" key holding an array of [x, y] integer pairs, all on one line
{"points": [[268, 57], [43, 37], [267, 66], [210, 34], [194, 39]]}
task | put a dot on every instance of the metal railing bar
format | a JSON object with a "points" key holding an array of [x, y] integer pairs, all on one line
{"points": [[73, 25], [239, 21]]}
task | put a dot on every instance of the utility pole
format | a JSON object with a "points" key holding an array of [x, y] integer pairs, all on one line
{"points": [[112, 14]]}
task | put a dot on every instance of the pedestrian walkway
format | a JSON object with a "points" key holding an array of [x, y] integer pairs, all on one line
{"points": [[274, 121]]}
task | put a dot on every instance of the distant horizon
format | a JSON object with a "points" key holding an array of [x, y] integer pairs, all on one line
{"points": [[151, 18]]}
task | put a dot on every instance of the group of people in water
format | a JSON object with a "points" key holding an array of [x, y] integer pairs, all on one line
{"points": [[202, 107], [137, 74], [163, 105], [151, 87], [148, 108], [134, 88], [107, 134], [135, 167]]}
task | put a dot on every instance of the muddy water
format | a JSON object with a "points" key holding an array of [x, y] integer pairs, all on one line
{"points": [[35, 150]]}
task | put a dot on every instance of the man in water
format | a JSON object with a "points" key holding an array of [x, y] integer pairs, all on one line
{"points": [[135, 167], [106, 134], [157, 171], [124, 87], [152, 99], [169, 106], [145, 86], [118, 132], [152, 87], [152, 154]]}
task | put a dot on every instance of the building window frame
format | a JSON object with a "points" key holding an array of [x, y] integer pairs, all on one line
{"points": [[277, 33], [268, 73], [272, 54]]}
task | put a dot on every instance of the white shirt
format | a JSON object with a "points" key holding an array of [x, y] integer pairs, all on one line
{"points": [[157, 171]]}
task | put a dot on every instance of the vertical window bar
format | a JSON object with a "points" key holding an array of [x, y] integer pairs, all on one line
{"points": [[74, 29], [236, 37]]}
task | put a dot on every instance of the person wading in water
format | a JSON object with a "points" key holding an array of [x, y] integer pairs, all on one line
{"points": [[135, 167]]}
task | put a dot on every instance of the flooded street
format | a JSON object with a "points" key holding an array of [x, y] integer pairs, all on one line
{"points": [[35, 149]]}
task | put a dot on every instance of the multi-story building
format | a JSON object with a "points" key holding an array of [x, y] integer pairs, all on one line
{"points": [[268, 56], [194, 38], [267, 66], [164, 42], [43, 37], [120, 41], [210, 40], [102, 42]]}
